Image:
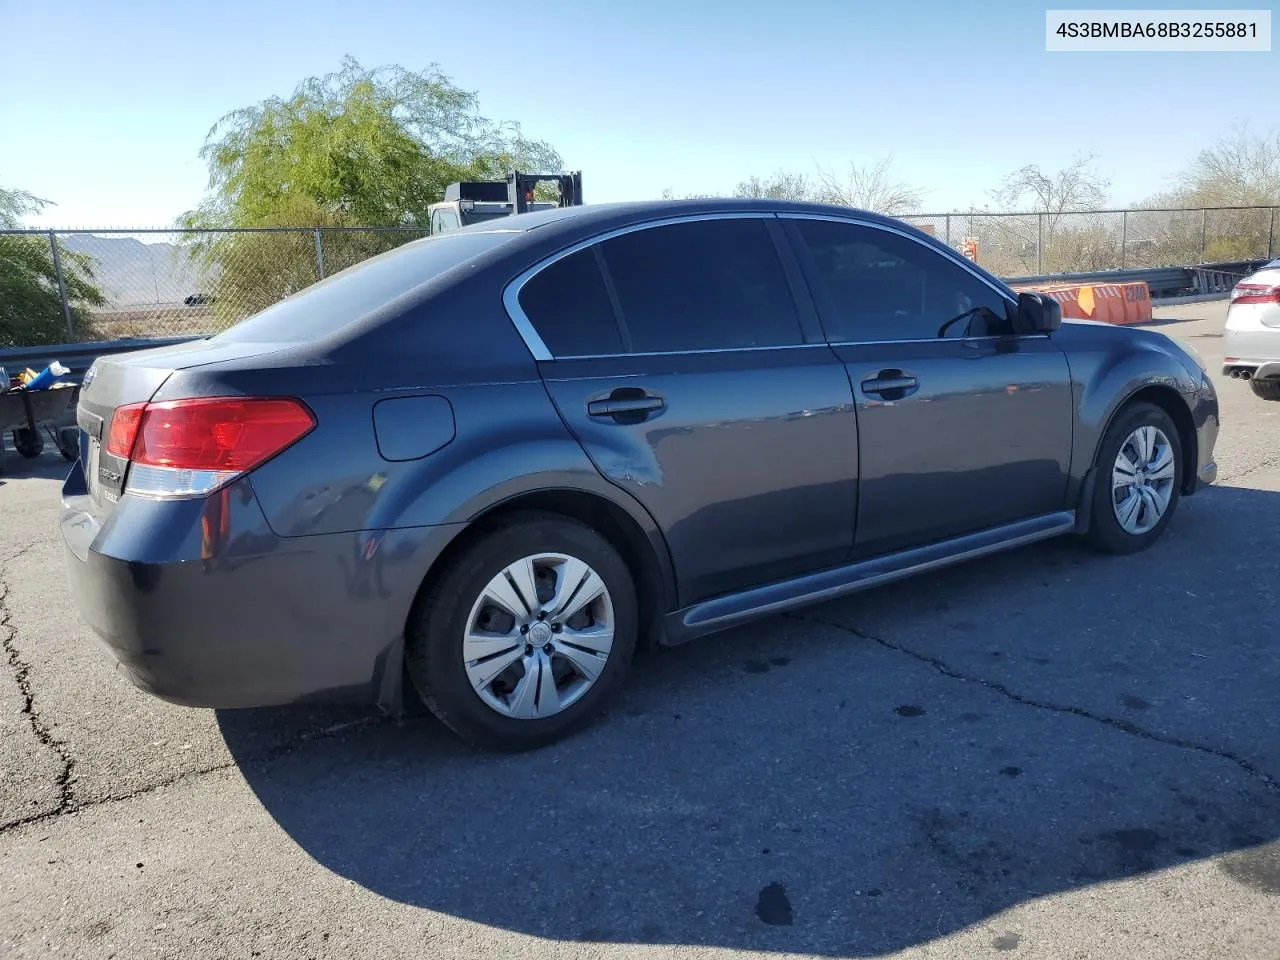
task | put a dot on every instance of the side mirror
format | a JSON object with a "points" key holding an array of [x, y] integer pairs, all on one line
{"points": [[1038, 313]]}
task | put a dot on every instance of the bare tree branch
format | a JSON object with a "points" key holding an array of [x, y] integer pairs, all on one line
{"points": [[780, 185], [1240, 169], [1077, 186], [870, 186], [669, 194]]}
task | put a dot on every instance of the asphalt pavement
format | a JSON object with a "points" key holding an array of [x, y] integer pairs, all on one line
{"points": [[1044, 754]]}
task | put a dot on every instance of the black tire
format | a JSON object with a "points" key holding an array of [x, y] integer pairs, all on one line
{"points": [[1266, 389], [1105, 531], [433, 642], [69, 443], [29, 443]]}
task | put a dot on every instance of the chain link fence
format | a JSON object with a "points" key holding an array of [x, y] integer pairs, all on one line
{"points": [[76, 286], [1033, 244], [69, 286]]}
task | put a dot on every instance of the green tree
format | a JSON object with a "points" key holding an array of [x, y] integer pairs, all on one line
{"points": [[30, 304], [358, 147]]}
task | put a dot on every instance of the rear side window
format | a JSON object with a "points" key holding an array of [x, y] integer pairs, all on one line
{"points": [[877, 286], [569, 306], [328, 306], [702, 285]]}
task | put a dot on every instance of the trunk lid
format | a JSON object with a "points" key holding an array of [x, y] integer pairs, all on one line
{"points": [[134, 377]]}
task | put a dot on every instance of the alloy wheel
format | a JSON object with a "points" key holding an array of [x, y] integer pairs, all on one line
{"points": [[539, 636], [1142, 480]]}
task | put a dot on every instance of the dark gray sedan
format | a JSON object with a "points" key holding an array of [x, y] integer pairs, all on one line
{"points": [[485, 467]]}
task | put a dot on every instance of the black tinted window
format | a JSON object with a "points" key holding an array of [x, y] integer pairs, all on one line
{"points": [[877, 286], [570, 308], [708, 284]]}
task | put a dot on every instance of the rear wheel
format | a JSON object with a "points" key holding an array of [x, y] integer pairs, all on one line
{"points": [[1138, 476], [1266, 389], [28, 442], [69, 442], [528, 636]]}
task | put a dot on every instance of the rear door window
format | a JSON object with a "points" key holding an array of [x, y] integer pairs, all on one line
{"points": [[702, 285], [568, 304]]}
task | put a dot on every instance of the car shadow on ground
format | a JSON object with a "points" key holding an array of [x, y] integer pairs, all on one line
{"points": [[50, 465], [868, 775]]}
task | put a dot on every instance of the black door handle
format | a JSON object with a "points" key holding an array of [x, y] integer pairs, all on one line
{"points": [[626, 405], [891, 384], [611, 408]]}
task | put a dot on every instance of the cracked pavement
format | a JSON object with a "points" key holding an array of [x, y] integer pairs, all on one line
{"points": [[1047, 753]]}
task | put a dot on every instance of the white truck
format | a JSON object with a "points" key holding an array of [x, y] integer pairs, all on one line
{"points": [[474, 201]]}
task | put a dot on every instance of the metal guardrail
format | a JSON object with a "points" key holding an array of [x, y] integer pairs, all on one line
{"points": [[1162, 281], [78, 356]]}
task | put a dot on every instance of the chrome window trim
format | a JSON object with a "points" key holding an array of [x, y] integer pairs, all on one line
{"points": [[524, 326], [692, 353], [801, 346]]}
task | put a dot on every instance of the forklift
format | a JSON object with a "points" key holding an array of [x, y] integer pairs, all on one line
{"points": [[475, 201]]}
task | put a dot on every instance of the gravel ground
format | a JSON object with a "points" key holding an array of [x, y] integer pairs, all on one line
{"points": [[1043, 754]]}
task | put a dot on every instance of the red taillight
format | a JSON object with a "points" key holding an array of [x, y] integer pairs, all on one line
{"points": [[124, 429], [225, 434], [1255, 293], [189, 448]]}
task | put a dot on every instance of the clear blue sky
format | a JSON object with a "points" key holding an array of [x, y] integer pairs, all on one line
{"points": [[106, 104]]}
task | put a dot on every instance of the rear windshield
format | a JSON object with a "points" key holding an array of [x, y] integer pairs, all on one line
{"points": [[325, 307]]}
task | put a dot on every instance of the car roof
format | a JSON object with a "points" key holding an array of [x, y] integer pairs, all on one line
{"points": [[544, 230], [538, 233], [599, 213]]}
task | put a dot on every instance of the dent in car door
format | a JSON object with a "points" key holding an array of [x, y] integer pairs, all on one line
{"points": [[702, 401]]}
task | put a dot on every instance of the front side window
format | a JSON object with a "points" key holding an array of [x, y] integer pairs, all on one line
{"points": [[702, 285], [878, 286]]}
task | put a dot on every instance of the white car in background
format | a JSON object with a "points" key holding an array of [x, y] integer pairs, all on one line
{"points": [[1251, 343]]}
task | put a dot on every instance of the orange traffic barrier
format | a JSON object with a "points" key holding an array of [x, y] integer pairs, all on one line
{"points": [[1137, 302], [1118, 303]]}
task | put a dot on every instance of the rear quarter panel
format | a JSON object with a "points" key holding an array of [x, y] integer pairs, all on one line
{"points": [[459, 345]]}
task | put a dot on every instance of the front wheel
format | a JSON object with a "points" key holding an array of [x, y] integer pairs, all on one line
{"points": [[528, 636], [1266, 389], [1138, 474]]}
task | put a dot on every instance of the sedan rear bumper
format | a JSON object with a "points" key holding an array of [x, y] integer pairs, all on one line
{"points": [[1250, 369], [1250, 345], [201, 604]]}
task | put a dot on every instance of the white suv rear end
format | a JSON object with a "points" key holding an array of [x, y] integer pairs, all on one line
{"points": [[1252, 340]]}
